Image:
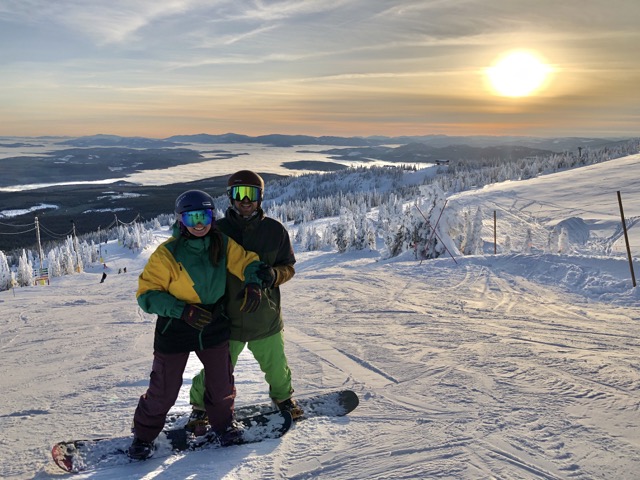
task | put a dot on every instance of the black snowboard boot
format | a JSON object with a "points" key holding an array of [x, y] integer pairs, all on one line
{"points": [[290, 405], [232, 435], [140, 450], [198, 422]]}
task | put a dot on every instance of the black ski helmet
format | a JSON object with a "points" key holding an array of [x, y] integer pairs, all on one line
{"points": [[193, 200], [246, 177]]}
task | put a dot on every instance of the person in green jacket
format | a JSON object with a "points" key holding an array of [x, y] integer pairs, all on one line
{"points": [[184, 284], [262, 330]]}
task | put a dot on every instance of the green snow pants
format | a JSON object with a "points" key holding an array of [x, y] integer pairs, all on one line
{"points": [[269, 353]]}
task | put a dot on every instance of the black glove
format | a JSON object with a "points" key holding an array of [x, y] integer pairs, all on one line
{"points": [[267, 274], [250, 296], [196, 316]]}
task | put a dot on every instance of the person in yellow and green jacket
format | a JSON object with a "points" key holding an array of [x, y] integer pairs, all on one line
{"points": [[184, 283]]}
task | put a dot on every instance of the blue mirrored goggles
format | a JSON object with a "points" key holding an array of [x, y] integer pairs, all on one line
{"points": [[239, 192], [194, 217]]}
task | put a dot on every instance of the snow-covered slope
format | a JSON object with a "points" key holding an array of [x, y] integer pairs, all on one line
{"points": [[508, 366], [584, 200]]}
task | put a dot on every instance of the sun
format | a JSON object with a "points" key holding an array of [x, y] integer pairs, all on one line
{"points": [[518, 73]]}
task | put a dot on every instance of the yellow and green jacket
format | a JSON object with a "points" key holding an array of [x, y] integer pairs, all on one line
{"points": [[179, 272]]}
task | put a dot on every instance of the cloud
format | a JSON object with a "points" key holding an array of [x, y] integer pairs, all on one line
{"points": [[269, 11], [106, 22]]}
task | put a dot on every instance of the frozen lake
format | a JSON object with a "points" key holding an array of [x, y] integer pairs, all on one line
{"points": [[258, 157]]}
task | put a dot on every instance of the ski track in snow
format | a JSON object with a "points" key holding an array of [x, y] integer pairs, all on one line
{"points": [[484, 406]]}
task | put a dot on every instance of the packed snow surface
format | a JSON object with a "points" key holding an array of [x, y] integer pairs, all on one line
{"points": [[490, 366]]}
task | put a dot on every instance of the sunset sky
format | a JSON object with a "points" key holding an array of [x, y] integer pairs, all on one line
{"points": [[158, 68]]}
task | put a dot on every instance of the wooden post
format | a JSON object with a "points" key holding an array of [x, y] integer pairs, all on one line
{"points": [[626, 240], [495, 241], [40, 254], [75, 245]]}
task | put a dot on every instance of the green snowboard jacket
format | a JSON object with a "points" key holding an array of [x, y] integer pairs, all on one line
{"points": [[270, 240]]}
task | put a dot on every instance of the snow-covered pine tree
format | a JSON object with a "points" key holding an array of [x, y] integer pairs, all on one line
{"points": [[465, 235], [425, 227], [421, 230], [506, 244], [24, 274], [53, 263], [564, 245], [474, 242], [387, 226], [371, 237], [361, 231], [299, 236], [86, 252], [552, 241], [313, 241], [344, 230], [5, 272], [66, 257], [395, 239]]}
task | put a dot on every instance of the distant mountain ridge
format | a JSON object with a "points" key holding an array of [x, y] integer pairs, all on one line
{"points": [[559, 144], [117, 141], [421, 153], [276, 140]]}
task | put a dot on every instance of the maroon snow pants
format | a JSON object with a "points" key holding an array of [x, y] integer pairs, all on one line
{"points": [[165, 383]]}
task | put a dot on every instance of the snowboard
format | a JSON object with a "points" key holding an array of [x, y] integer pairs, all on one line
{"points": [[327, 404], [76, 456]]}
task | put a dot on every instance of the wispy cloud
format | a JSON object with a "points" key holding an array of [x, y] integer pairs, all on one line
{"points": [[287, 9], [105, 22]]}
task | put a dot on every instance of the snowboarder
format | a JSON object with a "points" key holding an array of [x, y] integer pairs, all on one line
{"points": [[184, 283], [104, 277], [246, 222]]}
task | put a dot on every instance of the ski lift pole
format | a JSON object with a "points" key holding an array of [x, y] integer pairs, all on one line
{"points": [[495, 237], [436, 226], [626, 240]]}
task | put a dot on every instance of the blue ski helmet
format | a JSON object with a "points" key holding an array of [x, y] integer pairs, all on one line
{"points": [[193, 200]]}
